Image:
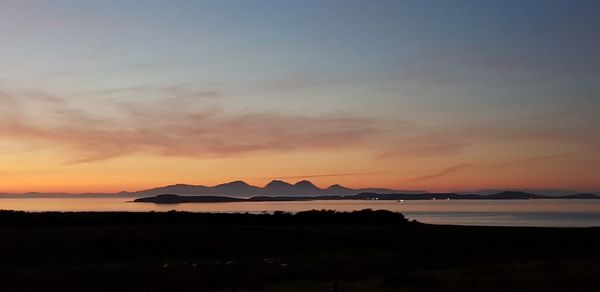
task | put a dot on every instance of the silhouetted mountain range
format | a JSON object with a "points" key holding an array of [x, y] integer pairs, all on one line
{"points": [[305, 188], [176, 199], [274, 188]]}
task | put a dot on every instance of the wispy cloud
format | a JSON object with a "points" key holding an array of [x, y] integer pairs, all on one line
{"points": [[120, 129], [100, 128], [441, 173], [424, 146], [182, 90], [460, 167], [533, 159], [453, 138]]}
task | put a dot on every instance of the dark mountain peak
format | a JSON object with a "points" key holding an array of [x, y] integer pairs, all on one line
{"points": [[242, 189], [337, 187], [237, 183], [178, 185], [514, 195], [278, 184], [305, 184]]}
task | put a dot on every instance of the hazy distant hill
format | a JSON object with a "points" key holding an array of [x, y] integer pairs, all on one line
{"points": [[586, 196], [545, 192], [278, 188], [274, 188]]}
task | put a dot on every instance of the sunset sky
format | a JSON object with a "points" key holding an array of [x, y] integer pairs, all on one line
{"points": [[103, 96]]}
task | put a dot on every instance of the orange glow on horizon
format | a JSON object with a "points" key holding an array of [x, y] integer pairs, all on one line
{"points": [[143, 172]]}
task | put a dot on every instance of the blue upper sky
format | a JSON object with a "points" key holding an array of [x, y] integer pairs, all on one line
{"points": [[534, 48]]}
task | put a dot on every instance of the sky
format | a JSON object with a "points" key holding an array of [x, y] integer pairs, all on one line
{"points": [[105, 96]]}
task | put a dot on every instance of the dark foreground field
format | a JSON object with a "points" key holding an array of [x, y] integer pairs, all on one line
{"points": [[315, 251]]}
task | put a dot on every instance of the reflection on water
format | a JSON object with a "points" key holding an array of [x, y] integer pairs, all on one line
{"points": [[557, 213]]}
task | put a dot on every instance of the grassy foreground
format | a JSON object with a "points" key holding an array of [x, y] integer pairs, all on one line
{"points": [[316, 251]]}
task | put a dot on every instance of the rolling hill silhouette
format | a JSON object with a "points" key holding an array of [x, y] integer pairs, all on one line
{"points": [[280, 190], [273, 188]]}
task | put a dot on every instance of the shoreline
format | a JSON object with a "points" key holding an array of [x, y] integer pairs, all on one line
{"points": [[179, 199]]}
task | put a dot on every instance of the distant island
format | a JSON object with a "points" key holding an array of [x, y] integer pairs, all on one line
{"points": [[278, 190], [235, 189], [273, 188], [178, 199]]}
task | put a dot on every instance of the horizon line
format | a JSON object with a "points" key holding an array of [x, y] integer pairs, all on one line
{"points": [[499, 189]]}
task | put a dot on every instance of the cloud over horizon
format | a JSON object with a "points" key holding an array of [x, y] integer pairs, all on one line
{"points": [[100, 128], [441, 173], [108, 130]]}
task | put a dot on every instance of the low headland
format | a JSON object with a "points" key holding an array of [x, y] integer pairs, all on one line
{"points": [[177, 199]]}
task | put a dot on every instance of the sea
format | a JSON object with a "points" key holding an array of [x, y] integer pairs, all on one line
{"points": [[542, 213]]}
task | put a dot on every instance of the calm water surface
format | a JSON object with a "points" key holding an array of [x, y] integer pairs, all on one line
{"points": [[557, 213]]}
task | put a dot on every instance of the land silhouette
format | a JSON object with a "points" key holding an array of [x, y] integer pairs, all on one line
{"points": [[177, 199], [305, 188], [273, 188], [314, 250]]}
